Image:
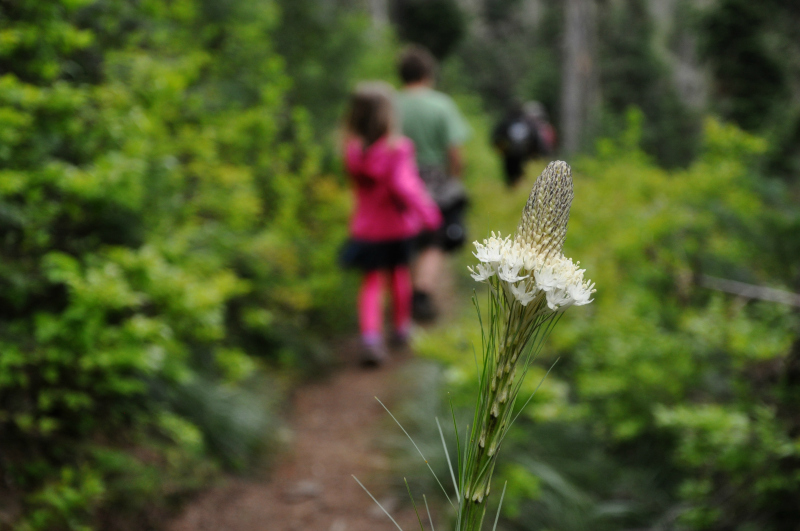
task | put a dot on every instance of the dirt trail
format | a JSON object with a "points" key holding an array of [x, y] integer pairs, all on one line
{"points": [[334, 425]]}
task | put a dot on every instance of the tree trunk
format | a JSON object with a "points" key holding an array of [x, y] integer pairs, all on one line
{"points": [[379, 11], [579, 87]]}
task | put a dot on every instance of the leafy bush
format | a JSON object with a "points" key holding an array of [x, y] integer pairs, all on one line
{"points": [[438, 25], [671, 403], [166, 232], [632, 73]]}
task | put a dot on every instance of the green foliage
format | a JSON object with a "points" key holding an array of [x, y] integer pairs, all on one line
{"points": [[662, 352], [63, 503], [754, 59], [438, 25], [323, 47], [735, 29], [512, 57], [671, 403], [166, 232], [631, 73]]}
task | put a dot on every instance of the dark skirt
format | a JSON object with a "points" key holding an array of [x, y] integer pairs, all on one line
{"points": [[451, 236], [371, 256]]}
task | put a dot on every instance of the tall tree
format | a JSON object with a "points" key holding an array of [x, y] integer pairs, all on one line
{"points": [[439, 25], [748, 79], [579, 74]]}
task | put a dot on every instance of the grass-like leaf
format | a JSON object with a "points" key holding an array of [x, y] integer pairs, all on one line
{"points": [[447, 456], [430, 519], [378, 504], [418, 451], [414, 504], [500, 506]]}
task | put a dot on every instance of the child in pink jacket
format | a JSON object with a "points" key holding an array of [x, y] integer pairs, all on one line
{"points": [[392, 207]]}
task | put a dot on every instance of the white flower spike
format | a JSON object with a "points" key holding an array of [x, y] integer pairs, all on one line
{"points": [[532, 282], [532, 261]]}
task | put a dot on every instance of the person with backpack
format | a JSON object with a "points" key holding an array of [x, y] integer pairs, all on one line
{"points": [[523, 134], [432, 121]]}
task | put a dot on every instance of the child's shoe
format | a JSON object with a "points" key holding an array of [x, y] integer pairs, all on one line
{"points": [[422, 307], [400, 340], [373, 354]]}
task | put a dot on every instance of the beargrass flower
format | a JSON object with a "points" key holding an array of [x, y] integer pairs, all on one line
{"points": [[531, 283], [535, 250]]}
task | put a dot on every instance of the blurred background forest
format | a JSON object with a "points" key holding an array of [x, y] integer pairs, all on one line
{"points": [[172, 204]]}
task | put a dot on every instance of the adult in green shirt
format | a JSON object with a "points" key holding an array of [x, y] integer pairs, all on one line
{"points": [[432, 121]]}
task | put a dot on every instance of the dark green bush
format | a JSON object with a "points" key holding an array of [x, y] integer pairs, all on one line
{"points": [[632, 73], [671, 404], [438, 25], [166, 233]]}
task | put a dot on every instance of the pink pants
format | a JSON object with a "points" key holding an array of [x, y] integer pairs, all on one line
{"points": [[370, 311]]}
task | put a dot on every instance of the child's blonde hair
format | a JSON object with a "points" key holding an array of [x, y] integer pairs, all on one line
{"points": [[371, 114]]}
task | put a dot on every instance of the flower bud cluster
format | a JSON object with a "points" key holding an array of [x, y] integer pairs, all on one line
{"points": [[528, 274], [530, 266], [531, 281], [543, 224]]}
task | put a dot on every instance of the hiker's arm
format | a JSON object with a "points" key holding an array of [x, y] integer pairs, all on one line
{"points": [[409, 189]]}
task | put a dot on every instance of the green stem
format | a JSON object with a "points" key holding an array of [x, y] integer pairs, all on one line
{"points": [[511, 327]]}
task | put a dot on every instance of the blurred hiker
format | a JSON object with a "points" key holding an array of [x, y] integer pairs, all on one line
{"points": [[537, 114], [432, 120], [524, 133], [392, 208]]}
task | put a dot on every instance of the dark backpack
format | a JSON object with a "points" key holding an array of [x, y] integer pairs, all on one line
{"points": [[517, 137]]}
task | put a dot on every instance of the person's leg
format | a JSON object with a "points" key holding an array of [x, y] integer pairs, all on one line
{"points": [[401, 302], [370, 315], [514, 170], [427, 269]]}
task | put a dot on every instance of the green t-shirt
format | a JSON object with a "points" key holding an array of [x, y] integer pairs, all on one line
{"points": [[432, 121]]}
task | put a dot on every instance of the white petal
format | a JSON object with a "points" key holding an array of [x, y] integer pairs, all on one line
{"points": [[581, 293], [558, 299], [482, 272], [523, 293], [510, 266]]}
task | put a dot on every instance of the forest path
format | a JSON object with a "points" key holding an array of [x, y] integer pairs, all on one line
{"points": [[337, 426], [311, 489]]}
